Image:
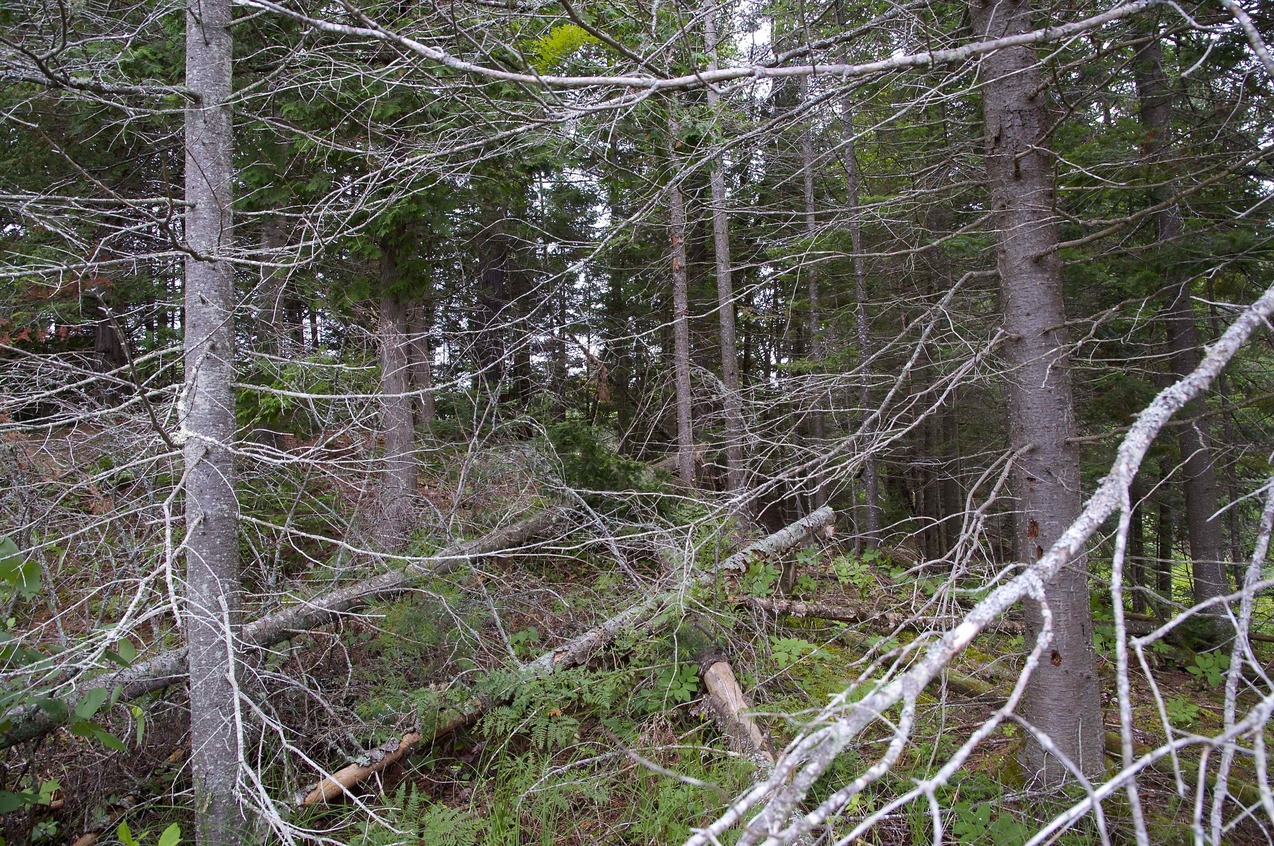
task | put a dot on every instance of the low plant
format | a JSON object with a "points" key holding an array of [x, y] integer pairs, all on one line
{"points": [[1181, 712], [1209, 668]]}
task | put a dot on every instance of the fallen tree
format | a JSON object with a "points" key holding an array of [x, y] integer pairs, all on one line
{"points": [[768, 810], [31, 721], [574, 652]]}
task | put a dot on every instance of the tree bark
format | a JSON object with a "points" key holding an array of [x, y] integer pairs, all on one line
{"points": [[276, 330], [733, 401], [871, 470], [1062, 699], [1165, 534], [1199, 484], [680, 316], [814, 322], [398, 481], [212, 544]]}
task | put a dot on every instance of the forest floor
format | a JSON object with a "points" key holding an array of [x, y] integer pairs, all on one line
{"points": [[622, 749]]}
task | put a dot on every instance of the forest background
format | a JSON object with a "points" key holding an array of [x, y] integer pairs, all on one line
{"points": [[400, 386]]}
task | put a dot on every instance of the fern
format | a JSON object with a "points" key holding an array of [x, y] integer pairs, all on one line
{"points": [[411, 817], [445, 826]]}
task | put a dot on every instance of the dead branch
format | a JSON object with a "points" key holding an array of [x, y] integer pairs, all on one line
{"points": [[729, 707], [579, 649], [169, 668]]}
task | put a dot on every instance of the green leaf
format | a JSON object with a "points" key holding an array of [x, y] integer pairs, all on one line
{"points": [[139, 716], [21, 575], [95, 732], [171, 836], [92, 701], [10, 801], [125, 835], [55, 708]]}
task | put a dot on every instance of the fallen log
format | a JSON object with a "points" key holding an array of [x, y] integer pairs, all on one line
{"points": [[729, 707], [579, 649], [849, 612], [169, 668]]}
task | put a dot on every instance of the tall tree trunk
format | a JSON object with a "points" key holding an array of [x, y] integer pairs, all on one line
{"points": [[1199, 476], [212, 544], [490, 340], [952, 496], [1062, 698], [735, 472], [1137, 574], [871, 470], [814, 323], [1165, 533], [680, 315], [398, 479]]}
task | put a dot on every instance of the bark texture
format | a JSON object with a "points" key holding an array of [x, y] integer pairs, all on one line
{"points": [[212, 547], [398, 482], [1199, 483], [680, 319], [733, 401], [1062, 698], [871, 470]]}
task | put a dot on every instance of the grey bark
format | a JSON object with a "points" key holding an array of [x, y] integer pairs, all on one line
{"points": [[814, 323], [165, 670], [1062, 698], [397, 486], [1199, 484], [680, 318], [871, 471], [735, 472], [212, 546]]}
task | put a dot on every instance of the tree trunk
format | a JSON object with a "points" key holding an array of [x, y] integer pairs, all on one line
{"points": [[814, 323], [1199, 476], [733, 401], [1062, 698], [212, 544], [871, 471], [1137, 575], [952, 496], [680, 316], [398, 480], [1165, 533]]}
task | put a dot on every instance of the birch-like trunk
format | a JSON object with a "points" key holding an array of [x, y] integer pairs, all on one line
{"points": [[212, 545], [1062, 698]]}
